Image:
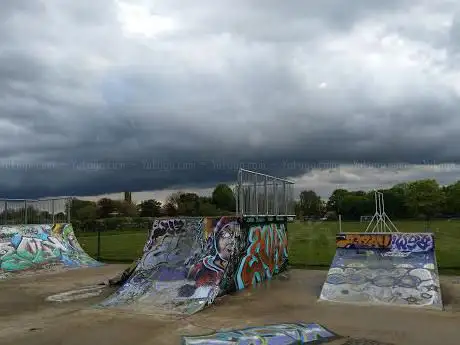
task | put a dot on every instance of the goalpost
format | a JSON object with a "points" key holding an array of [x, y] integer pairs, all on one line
{"points": [[365, 218], [380, 220]]}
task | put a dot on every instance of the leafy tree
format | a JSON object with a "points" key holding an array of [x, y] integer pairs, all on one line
{"points": [[310, 204], [335, 200], [150, 208], [424, 197], [88, 212], [105, 207], [125, 208], [223, 198], [452, 199]]}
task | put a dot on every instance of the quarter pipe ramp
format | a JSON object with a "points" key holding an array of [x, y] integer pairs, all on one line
{"points": [[188, 262], [384, 269], [34, 248]]}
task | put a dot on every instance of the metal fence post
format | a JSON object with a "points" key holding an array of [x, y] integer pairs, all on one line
{"points": [[240, 184], [275, 199], [52, 210], [69, 206], [266, 194], [285, 198], [98, 244], [25, 211], [5, 214], [256, 197]]}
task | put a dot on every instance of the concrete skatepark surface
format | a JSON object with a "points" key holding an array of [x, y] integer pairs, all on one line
{"points": [[35, 249], [189, 261], [385, 269], [27, 318]]}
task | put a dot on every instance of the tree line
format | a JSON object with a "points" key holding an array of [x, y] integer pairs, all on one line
{"points": [[417, 199], [424, 199]]}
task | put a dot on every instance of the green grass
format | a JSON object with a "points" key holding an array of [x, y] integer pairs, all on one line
{"points": [[310, 244]]}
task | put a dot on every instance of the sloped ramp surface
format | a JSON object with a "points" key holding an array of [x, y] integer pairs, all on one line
{"points": [[183, 266], [35, 248], [385, 269]]}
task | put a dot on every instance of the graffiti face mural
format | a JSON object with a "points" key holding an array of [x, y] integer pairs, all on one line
{"points": [[184, 262], [280, 334], [30, 247]]}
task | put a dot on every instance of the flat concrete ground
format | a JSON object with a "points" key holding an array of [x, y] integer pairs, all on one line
{"points": [[26, 318]]}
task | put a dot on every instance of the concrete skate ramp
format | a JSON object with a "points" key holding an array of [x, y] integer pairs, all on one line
{"points": [[384, 268], [28, 249], [188, 262]]}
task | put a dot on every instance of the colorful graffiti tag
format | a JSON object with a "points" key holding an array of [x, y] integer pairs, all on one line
{"points": [[397, 268], [406, 242], [28, 247], [266, 255], [188, 262], [288, 333], [363, 241], [402, 242]]}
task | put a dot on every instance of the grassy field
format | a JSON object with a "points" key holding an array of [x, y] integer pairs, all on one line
{"points": [[310, 244]]}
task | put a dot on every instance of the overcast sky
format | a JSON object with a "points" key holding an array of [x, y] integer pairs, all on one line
{"points": [[103, 96]]}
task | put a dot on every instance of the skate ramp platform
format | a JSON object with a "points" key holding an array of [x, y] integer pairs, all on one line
{"points": [[384, 269], [32, 249], [188, 262]]}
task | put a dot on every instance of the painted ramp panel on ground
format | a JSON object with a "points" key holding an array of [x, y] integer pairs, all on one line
{"points": [[188, 262], [388, 269], [36, 248]]}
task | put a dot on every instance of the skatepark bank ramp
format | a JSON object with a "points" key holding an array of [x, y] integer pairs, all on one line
{"points": [[385, 269], [34, 248], [188, 262]]}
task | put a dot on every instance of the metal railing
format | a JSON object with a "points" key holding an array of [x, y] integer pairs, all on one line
{"points": [[260, 194], [35, 211]]}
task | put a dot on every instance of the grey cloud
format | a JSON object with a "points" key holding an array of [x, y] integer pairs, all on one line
{"points": [[85, 105]]}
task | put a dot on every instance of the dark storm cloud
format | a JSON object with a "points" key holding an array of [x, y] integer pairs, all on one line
{"points": [[86, 107]]}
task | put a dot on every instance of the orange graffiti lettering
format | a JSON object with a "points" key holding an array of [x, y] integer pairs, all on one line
{"points": [[266, 254], [363, 241]]}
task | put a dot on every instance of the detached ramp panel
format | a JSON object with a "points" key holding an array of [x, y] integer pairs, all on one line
{"points": [[37, 248], [384, 269]]}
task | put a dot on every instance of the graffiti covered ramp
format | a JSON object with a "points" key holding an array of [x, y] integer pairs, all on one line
{"points": [[385, 269], [188, 262], [37, 248]]}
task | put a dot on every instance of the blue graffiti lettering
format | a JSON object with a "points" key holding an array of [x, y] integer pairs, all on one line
{"points": [[412, 242]]}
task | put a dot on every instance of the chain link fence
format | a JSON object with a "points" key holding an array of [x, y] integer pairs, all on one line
{"points": [[35, 211], [261, 194]]}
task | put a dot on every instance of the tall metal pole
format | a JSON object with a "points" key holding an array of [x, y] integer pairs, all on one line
{"points": [[240, 187], [5, 213], [52, 209], [266, 194], [285, 198], [69, 205], [256, 197], [25, 211]]}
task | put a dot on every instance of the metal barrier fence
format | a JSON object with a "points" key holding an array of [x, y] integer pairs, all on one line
{"points": [[35, 211], [261, 194]]}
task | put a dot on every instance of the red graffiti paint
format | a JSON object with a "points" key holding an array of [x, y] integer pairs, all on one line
{"points": [[266, 253]]}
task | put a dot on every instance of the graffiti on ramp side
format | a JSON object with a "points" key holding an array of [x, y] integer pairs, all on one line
{"points": [[286, 333]]}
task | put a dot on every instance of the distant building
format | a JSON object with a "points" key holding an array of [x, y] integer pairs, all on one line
{"points": [[128, 197]]}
